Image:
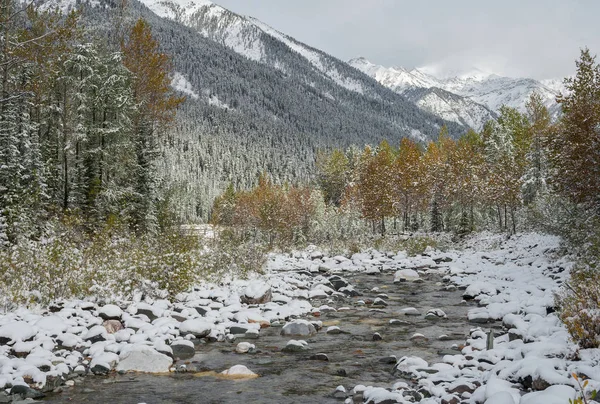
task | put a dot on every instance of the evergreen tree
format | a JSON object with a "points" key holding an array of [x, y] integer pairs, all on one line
{"points": [[536, 175], [156, 105]]}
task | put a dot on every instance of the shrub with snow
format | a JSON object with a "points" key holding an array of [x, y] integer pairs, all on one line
{"points": [[579, 306]]}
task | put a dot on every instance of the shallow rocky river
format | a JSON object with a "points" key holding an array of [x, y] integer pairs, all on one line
{"points": [[355, 355]]}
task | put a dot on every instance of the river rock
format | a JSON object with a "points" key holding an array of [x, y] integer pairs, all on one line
{"points": [[52, 325], [110, 312], [52, 384], [257, 292], [333, 330], [316, 255], [238, 372], [112, 326], [379, 302], [501, 397], [294, 346], [238, 329], [350, 291], [514, 334], [319, 357], [411, 311], [418, 338], [245, 347], [338, 282], [299, 328], [553, 394], [149, 311], [435, 314], [25, 392], [96, 334], [406, 275], [142, 358], [450, 399], [195, 327], [100, 369], [340, 392], [183, 349], [317, 294], [252, 334], [16, 331]]}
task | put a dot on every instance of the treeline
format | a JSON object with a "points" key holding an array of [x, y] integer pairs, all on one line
{"points": [[521, 168], [80, 123]]}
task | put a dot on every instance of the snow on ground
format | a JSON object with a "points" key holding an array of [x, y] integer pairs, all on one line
{"points": [[512, 281], [180, 83]]}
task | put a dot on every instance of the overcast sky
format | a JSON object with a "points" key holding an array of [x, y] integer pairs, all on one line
{"points": [[532, 38]]}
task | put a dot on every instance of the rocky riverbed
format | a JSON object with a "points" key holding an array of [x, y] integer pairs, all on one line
{"points": [[473, 326]]}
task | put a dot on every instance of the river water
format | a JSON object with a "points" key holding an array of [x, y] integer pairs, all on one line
{"points": [[354, 357]]}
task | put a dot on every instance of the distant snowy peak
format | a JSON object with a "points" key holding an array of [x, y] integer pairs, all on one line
{"points": [[450, 106], [557, 85], [396, 78], [179, 9], [428, 93], [473, 74], [476, 85]]}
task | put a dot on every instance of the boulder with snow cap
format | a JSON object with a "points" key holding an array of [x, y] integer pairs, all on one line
{"points": [[183, 349], [558, 394], [294, 346], [148, 310], [502, 397], [338, 282], [299, 328], [16, 331], [96, 334], [195, 327], [142, 358], [406, 275], [110, 312], [257, 292], [238, 372]]}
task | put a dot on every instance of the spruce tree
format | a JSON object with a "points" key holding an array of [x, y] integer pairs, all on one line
{"points": [[156, 106]]}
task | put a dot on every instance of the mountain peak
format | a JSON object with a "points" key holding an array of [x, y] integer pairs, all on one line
{"points": [[361, 60], [442, 73], [177, 9]]}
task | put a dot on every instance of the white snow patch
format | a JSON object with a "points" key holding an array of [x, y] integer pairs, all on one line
{"points": [[180, 83]]}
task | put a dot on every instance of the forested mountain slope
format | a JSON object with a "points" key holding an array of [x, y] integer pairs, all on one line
{"points": [[245, 115]]}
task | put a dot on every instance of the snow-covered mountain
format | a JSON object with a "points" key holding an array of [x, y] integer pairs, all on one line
{"points": [[249, 37], [254, 39], [476, 91], [450, 106], [257, 100], [557, 85], [428, 93]]}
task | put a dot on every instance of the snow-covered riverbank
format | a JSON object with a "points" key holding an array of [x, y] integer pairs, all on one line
{"points": [[512, 281]]}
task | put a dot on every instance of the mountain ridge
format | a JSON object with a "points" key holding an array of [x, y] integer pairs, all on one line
{"points": [[483, 88]]}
